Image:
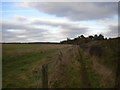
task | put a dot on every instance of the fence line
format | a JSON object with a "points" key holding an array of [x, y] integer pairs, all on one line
{"points": [[45, 76], [43, 71]]}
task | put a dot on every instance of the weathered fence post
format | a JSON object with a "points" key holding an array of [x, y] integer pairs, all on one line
{"points": [[59, 58], [45, 76], [61, 54]]}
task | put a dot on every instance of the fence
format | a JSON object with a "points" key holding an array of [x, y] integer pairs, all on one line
{"points": [[42, 78]]}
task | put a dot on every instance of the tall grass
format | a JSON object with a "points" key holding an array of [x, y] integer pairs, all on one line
{"points": [[19, 60]]}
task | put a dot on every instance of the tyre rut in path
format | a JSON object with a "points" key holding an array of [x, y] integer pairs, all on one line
{"points": [[83, 72]]}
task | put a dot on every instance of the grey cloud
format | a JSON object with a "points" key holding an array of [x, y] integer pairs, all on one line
{"points": [[77, 10], [42, 22], [65, 25], [113, 31], [17, 25], [16, 31], [27, 31], [69, 29], [20, 18], [74, 32]]}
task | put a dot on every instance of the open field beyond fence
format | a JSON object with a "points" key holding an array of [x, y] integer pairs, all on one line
{"points": [[20, 60], [91, 65]]}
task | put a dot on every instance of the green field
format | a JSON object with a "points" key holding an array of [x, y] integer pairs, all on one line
{"points": [[22, 62], [91, 65], [20, 59]]}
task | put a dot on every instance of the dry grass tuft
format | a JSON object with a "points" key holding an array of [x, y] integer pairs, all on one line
{"points": [[106, 75]]}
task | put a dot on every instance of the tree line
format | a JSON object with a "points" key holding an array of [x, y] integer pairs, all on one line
{"points": [[83, 39]]}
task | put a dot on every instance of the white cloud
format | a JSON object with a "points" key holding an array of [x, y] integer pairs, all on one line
{"points": [[22, 36], [75, 10], [113, 31], [29, 31], [20, 18], [38, 29], [16, 31], [44, 30]]}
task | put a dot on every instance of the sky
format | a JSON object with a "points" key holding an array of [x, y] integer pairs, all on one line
{"points": [[56, 21]]}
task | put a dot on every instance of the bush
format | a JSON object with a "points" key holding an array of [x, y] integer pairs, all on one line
{"points": [[96, 50]]}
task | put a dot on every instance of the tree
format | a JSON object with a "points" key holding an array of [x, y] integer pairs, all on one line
{"points": [[91, 37], [68, 39], [95, 37], [100, 37], [82, 36]]}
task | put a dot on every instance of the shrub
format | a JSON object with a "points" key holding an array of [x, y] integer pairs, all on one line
{"points": [[96, 50]]}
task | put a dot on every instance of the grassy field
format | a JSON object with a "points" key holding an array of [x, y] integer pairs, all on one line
{"points": [[20, 59], [91, 65], [103, 56], [22, 64]]}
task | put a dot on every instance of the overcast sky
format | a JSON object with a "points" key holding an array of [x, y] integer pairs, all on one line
{"points": [[55, 21]]}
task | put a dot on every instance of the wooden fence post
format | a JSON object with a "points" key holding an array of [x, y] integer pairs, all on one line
{"points": [[45, 76]]}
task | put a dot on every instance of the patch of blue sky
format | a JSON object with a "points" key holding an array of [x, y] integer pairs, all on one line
{"points": [[10, 10], [88, 22]]}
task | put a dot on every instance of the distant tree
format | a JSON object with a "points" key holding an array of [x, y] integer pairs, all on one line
{"points": [[105, 38], [95, 37], [91, 37], [100, 37], [68, 39], [82, 36], [110, 38]]}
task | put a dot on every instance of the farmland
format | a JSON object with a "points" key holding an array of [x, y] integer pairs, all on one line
{"points": [[63, 44], [88, 65], [19, 61]]}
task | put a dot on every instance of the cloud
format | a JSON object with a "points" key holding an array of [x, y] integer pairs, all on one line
{"points": [[108, 22], [74, 32], [17, 25], [75, 10], [113, 31], [24, 29], [13, 31], [67, 28], [64, 24], [36, 29], [20, 18]]}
